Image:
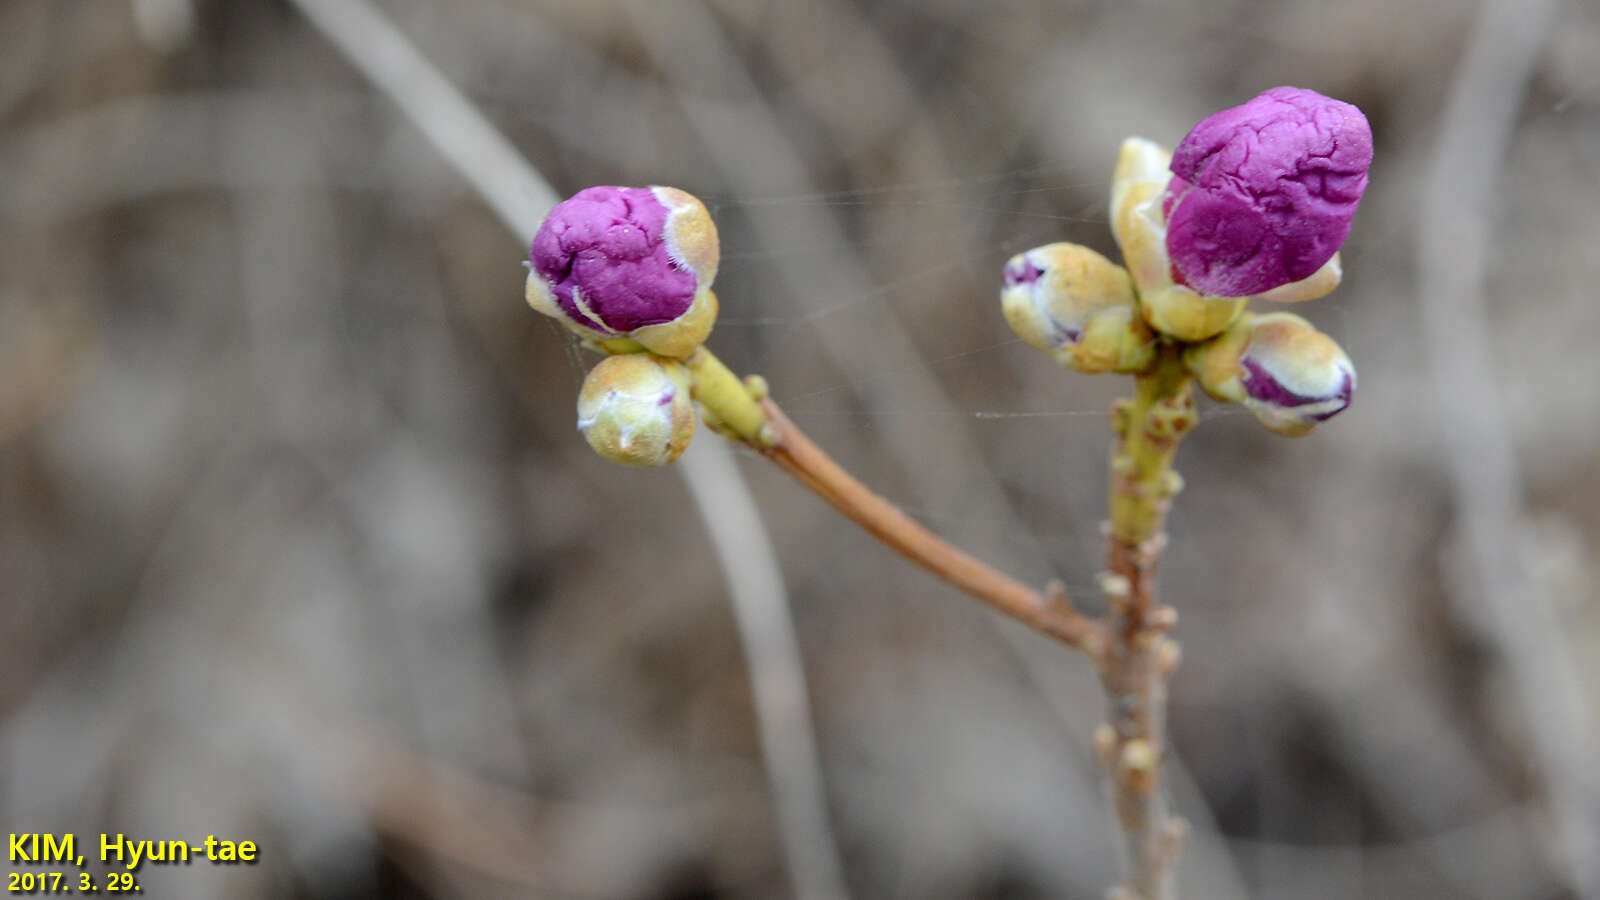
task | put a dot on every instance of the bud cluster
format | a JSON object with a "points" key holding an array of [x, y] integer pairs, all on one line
{"points": [[629, 270], [1253, 204]]}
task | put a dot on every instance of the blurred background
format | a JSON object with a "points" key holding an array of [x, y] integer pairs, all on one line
{"points": [[299, 544]]}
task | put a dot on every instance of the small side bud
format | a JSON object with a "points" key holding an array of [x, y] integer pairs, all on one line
{"points": [[1168, 654], [1137, 766], [614, 263], [1161, 618], [1291, 376], [1116, 587], [1105, 745], [1078, 306], [635, 409]]}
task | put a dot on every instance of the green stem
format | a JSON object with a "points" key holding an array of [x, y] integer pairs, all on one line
{"points": [[1139, 656], [728, 404], [1148, 427]]}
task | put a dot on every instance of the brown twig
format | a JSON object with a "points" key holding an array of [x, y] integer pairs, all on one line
{"points": [[1139, 657], [1130, 648], [1052, 615]]}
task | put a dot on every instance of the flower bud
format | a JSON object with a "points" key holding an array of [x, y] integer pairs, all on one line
{"points": [[635, 409], [1287, 373], [1078, 306], [1262, 194], [635, 263]]}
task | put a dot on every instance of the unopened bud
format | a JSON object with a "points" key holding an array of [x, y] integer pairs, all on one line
{"points": [[637, 263], [635, 409], [1168, 654], [1280, 367], [1078, 306], [1105, 745], [1255, 202], [1262, 194], [1137, 765]]}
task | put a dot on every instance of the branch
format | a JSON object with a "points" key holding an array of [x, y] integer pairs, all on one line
{"points": [[1054, 615], [1139, 657]]}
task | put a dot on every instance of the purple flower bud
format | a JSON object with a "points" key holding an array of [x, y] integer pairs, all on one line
{"points": [[1262, 194], [613, 262], [1280, 367]]}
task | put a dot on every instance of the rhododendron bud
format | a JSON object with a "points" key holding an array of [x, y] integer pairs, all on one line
{"points": [[1078, 306], [1278, 366], [634, 263], [635, 409], [1262, 194]]}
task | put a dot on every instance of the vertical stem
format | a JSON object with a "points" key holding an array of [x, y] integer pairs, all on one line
{"points": [[1139, 657], [1148, 427]]}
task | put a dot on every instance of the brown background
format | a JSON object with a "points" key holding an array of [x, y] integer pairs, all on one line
{"points": [[298, 543]]}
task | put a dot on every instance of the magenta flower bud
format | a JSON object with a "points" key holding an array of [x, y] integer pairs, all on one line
{"points": [[619, 262], [1280, 367], [1262, 194]]}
